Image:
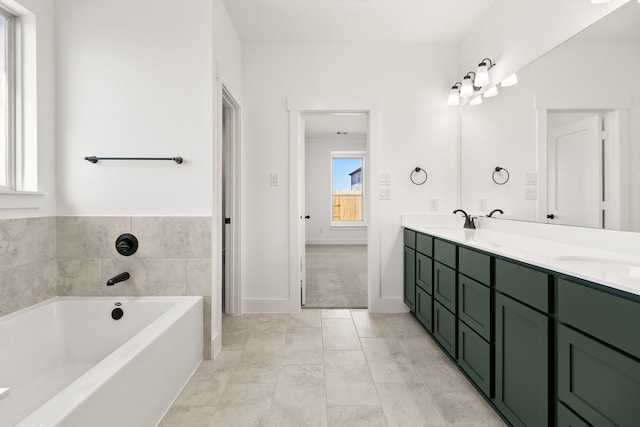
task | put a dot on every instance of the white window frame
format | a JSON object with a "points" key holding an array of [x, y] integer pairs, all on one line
{"points": [[11, 149], [362, 155]]}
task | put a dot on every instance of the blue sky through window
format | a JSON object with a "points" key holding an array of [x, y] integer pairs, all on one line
{"points": [[341, 170]]}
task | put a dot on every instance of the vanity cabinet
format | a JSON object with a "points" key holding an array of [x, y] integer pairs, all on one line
{"points": [[410, 269]]}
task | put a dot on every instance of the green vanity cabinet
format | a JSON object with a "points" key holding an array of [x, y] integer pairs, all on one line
{"points": [[424, 272], [598, 354], [474, 357], [410, 269], [522, 388], [444, 328], [424, 308], [566, 418], [474, 305], [444, 286]]}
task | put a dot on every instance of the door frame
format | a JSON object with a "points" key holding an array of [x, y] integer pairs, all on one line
{"points": [[297, 108], [615, 105]]}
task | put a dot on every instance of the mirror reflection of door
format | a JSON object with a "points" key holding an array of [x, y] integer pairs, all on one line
{"points": [[575, 169]]}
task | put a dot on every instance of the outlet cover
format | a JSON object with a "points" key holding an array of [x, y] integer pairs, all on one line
{"points": [[482, 205], [530, 178], [433, 205], [274, 179], [385, 193]]}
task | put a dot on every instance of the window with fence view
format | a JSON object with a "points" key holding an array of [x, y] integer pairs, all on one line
{"points": [[347, 189]]}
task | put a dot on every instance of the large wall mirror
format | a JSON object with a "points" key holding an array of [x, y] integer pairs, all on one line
{"points": [[568, 134]]}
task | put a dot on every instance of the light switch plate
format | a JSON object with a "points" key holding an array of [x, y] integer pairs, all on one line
{"points": [[385, 193], [530, 178], [274, 179], [385, 178], [531, 193]]}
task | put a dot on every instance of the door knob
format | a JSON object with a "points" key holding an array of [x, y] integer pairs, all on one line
{"points": [[550, 216]]}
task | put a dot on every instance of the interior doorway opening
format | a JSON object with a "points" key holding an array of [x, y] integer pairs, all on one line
{"points": [[335, 260]]}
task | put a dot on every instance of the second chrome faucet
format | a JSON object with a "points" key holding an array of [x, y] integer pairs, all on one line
{"points": [[468, 221]]}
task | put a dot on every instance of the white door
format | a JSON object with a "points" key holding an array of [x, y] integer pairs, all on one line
{"points": [[575, 173], [302, 228]]}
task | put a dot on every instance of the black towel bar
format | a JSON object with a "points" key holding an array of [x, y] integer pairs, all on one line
{"points": [[94, 159]]}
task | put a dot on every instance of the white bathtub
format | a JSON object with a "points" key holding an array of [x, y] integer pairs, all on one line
{"points": [[67, 362]]}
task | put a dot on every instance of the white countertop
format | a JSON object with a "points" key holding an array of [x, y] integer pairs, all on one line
{"points": [[613, 269]]}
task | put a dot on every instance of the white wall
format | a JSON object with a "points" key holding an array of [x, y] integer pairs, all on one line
{"points": [[502, 131], [515, 33], [19, 206], [135, 78], [418, 129], [318, 192]]}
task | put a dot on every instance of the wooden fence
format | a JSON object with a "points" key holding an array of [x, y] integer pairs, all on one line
{"points": [[347, 205]]}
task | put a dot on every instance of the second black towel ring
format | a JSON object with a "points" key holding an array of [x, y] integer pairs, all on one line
{"points": [[498, 169], [417, 171]]}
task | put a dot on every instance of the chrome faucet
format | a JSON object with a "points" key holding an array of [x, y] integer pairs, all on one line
{"points": [[118, 278], [494, 211], [468, 221]]}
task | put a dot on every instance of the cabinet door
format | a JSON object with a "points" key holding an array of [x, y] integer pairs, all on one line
{"points": [[522, 363], [424, 272], [424, 308], [600, 384], [566, 418], [474, 357], [474, 305], [444, 328], [410, 277]]}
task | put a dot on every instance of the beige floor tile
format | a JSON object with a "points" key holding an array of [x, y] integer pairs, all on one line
{"points": [[340, 334], [409, 405], [440, 375], [462, 409], [306, 318], [370, 325], [387, 361], [257, 367], [303, 346], [270, 325], [335, 313], [267, 344], [189, 416], [236, 338], [420, 348], [300, 397], [245, 405], [202, 392], [355, 416], [348, 379], [404, 325]]}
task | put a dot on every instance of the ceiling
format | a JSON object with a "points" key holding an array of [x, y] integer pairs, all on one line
{"points": [[327, 125], [354, 21]]}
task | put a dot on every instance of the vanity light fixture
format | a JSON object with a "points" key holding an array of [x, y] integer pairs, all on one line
{"points": [[511, 80], [454, 95], [466, 91], [476, 101], [492, 91], [482, 73]]}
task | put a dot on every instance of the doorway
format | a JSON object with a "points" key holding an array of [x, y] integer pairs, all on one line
{"points": [[335, 195]]}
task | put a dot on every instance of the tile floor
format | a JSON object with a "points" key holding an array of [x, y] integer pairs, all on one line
{"points": [[329, 368], [336, 276]]}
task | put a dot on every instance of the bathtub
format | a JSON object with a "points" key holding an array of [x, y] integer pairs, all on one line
{"points": [[68, 362]]}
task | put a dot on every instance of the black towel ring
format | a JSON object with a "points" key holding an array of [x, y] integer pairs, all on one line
{"points": [[417, 170], [497, 170]]}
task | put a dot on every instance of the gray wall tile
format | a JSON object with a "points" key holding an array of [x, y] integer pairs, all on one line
{"points": [[173, 237], [80, 277], [90, 237], [9, 290], [199, 276], [149, 276], [23, 241]]}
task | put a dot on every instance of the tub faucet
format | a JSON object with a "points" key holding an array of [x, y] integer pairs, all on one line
{"points": [[494, 211], [118, 278], [468, 221]]}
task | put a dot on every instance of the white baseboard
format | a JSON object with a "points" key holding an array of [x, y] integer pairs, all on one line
{"points": [[216, 345], [337, 242]]}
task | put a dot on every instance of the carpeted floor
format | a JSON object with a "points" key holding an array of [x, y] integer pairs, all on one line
{"points": [[336, 276]]}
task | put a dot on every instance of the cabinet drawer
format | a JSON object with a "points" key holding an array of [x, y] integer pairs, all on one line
{"points": [[444, 328], [601, 314], [523, 283], [410, 238], [424, 308], [600, 384], [444, 285], [475, 265], [424, 273], [474, 356], [566, 418], [424, 244], [444, 252], [474, 305]]}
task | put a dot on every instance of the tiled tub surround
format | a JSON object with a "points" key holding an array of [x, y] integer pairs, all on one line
{"points": [[64, 358], [173, 258], [28, 266]]}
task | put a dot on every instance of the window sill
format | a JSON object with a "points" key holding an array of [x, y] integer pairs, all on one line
{"points": [[21, 199], [349, 225], [21, 193]]}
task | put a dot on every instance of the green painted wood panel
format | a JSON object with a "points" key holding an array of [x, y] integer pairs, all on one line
{"points": [[475, 265], [444, 328], [566, 418], [409, 277], [410, 238], [522, 363], [444, 252], [424, 272], [523, 283], [424, 244], [424, 309], [474, 357], [474, 305], [444, 285], [601, 314], [597, 382]]}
